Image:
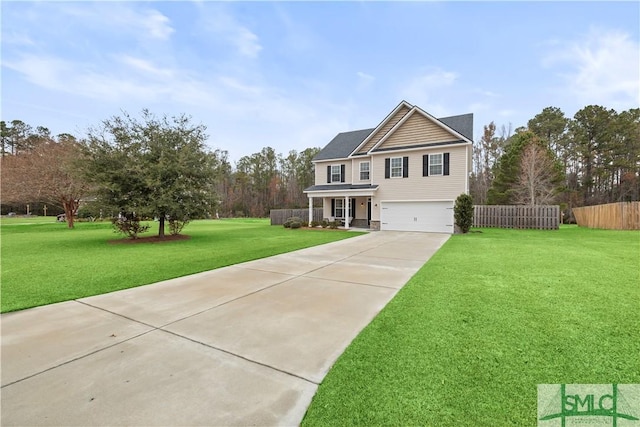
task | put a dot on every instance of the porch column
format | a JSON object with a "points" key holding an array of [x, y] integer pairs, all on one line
{"points": [[310, 210], [346, 214]]}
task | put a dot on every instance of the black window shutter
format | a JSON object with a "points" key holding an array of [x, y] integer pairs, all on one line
{"points": [[342, 173], [333, 207], [352, 212], [445, 161], [387, 168], [405, 167], [328, 174], [425, 165]]}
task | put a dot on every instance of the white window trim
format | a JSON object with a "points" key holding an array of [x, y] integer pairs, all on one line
{"points": [[441, 164], [339, 173], [391, 167], [368, 171]]}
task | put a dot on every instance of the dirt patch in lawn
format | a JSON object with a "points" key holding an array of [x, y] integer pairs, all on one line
{"points": [[150, 239]]}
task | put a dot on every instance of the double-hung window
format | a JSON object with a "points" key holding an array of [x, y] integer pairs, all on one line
{"points": [[336, 175], [435, 164], [396, 167], [364, 171]]}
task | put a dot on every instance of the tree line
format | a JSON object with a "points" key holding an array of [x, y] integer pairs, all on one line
{"points": [[592, 158], [157, 166]]}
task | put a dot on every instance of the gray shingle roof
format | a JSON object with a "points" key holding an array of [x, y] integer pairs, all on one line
{"points": [[463, 124], [343, 144]]}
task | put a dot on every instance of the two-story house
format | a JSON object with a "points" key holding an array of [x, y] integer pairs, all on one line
{"points": [[404, 174]]}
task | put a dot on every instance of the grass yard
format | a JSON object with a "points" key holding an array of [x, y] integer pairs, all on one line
{"points": [[489, 317], [44, 262]]}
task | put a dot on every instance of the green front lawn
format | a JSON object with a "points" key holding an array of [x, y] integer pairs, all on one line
{"points": [[489, 317], [43, 263]]}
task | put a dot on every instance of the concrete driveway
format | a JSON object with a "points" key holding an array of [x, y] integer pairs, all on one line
{"points": [[241, 345]]}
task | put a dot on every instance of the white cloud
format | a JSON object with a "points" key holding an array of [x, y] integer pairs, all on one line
{"points": [[125, 17], [17, 39], [145, 67], [487, 93], [431, 80], [601, 68], [87, 80], [157, 24], [430, 90], [226, 26], [364, 80]]}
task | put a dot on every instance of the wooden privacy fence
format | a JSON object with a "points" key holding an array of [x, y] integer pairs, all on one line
{"points": [[612, 216], [279, 216], [542, 217]]}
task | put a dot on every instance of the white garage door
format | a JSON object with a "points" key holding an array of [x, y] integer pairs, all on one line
{"points": [[434, 217]]}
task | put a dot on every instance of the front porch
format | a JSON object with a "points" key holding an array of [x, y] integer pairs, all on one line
{"points": [[349, 204]]}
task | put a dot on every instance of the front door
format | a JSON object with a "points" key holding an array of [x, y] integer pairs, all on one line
{"points": [[369, 211]]}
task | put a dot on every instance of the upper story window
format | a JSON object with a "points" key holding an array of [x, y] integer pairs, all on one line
{"points": [[364, 171], [336, 173], [396, 167], [435, 164]]}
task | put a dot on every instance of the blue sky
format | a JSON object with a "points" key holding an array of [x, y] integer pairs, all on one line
{"points": [[291, 75]]}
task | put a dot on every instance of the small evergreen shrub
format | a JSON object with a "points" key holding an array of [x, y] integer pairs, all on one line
{"points": [[293, 222], [463, 212]]}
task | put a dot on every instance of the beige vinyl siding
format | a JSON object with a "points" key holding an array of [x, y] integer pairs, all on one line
{"points": [[383, 131], [356, 170], [417, 130], [321, 171], [417, 187]]}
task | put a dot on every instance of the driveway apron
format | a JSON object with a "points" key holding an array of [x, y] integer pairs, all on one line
{"points": [[237, 346]]}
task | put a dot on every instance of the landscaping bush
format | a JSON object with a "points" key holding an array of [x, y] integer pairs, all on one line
{"points": [[333, 225], [463, 212], [176, 226], [293, 222], [315, 223], [324, 223], [129, 225]]}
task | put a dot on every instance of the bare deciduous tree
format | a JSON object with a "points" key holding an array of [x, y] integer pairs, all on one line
{"points": [[48, 173], [537, 183]]}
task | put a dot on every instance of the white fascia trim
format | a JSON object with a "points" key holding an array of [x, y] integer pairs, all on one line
{"points": [[466, 171], [315, 162], [341, 193], [417, 200], [427, 116], [381, 125], [442, 148]]}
